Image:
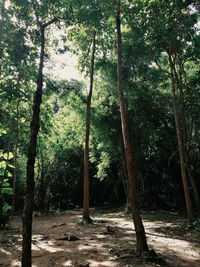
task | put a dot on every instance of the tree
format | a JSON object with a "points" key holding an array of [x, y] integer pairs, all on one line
{"points": [[34, 129], [89, 18], [180, 137], [130, 161], [86, 216]]}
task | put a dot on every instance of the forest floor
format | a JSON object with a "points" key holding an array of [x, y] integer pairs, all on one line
{"points": [[61, 240]]}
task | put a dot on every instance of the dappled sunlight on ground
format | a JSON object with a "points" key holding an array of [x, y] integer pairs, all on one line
{"points": [[15, 263], [5, 252], [109, 242], [94, 263], [174, 247], [67, 263]]}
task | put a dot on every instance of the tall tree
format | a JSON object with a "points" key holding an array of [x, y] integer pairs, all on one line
{"points": [[86, 195], [34, 129], [130, 160], [180, 130]]}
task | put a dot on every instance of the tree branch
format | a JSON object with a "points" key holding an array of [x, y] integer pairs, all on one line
{"points": [[49, 22], [36, 13], [159, 66], [38, 20]]}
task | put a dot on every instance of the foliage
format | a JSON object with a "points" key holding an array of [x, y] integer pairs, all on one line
{"points": [[149, 30], [5, 182]]}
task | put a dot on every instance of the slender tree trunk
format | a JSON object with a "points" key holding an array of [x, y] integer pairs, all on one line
{"points": [[130, 161], [34, 129], [86, 194], [30, 183], [178, 73], [15, 158], [180, 142]]}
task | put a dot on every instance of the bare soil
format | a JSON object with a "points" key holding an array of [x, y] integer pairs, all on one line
{"points": [[61, 240]]}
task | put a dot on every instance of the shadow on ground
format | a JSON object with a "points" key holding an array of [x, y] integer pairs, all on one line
{"points": [[109, 242]]}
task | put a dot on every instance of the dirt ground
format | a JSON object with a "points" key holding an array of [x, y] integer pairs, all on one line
{"points": [[60, 240]]}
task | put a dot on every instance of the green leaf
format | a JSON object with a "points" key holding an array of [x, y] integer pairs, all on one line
{"points": [[2, 171], [11, 166], [2, 132], [6, 185], [6, 208], [2, 165], [7, 191], [8, 156], [8, 174], [1, 153]]}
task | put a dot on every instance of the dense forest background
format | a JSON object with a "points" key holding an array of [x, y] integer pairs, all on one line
{"points": [[161, 77]]}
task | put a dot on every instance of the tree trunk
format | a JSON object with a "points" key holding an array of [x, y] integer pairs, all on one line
{"points": [[86, 194], [194, 188], [34, 129], [30, 183], [180, 140], [130, 161]]}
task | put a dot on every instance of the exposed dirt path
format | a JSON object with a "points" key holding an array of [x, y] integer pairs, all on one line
{"points": [[109, 242]]}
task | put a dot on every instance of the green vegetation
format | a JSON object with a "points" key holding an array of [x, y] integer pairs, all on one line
{"points": [[160, 79], [5, 186]]}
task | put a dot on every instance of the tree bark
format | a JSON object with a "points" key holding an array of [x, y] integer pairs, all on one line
{"points": [[86, 193], [180, 140], [130, 161], [194, 188], [30, 183]]}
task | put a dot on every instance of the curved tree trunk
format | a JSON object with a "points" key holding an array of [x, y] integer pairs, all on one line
{"points": [[130, 161], [86, 193]]}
